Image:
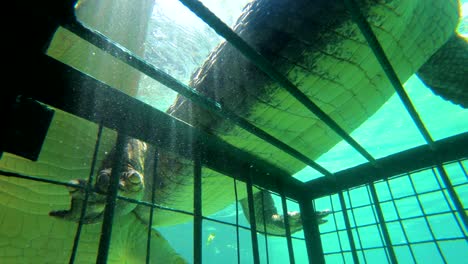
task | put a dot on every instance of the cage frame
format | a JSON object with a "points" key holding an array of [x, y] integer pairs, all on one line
{"points": [[61, 84]]}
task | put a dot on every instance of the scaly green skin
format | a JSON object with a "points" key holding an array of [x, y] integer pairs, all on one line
{"points": [[443, 71], [317, 46], [330, 63]]}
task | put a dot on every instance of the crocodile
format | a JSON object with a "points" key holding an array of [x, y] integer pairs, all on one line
{"points": [[314, 44]]}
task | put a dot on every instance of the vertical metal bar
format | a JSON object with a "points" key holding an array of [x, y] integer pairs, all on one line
{"points": [[453, 195], [462, 167], [379, 53], [287, 227], [88, 188], [439, 250], [399, 219], [237, 221], [383, 225], [311, 232], [446, 197], [264, 227], [197, 208], [376, 217], [357, 233], [253, 223], [348, 228], [117, 169], [153, 200], [336, 228]]}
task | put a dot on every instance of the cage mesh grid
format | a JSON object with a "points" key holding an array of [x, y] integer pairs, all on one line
{"points": [[404, 207], [456, 212]]}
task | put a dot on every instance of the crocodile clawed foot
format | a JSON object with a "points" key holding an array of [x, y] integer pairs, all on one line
{"points": [[295, 220], [94, 208], [320, 215], [131, 185]]}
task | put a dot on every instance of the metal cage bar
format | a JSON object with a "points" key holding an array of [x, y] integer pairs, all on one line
{"points": [[88, 189], [453, 195], [425, 216], [132, 60], [311, 228], [111, 197], [425, 219], [253, 223], [383, 225], [447, 200], [352, 244], [463, 169], [98, 103], [379, 53], [311, 232], [126, 199], [197, 207], [351, 208], [377, 224], [265, 227], [153, 201], [237, 220], [263, 64], [287, 228], [336, 229], [399, 219], [447, 149]]}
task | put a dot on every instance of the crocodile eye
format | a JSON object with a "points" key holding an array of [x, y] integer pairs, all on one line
{"points": [[134, 177]]}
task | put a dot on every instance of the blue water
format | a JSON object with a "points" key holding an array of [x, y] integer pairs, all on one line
{"points": [[426, 217], [391, 129]]}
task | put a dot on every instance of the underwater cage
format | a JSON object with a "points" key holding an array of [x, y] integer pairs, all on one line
{"points": [[72, 111]]}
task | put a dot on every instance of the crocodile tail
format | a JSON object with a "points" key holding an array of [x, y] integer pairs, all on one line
{"points": [[446, 71]]}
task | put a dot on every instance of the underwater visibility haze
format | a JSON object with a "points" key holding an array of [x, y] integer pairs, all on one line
{"points": [[317, 47]]}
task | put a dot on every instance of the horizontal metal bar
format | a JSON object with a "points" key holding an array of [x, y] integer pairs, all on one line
{"points": [[4, 173], [405, 243], [119, 52], [263, 64], [72, 91], [122, 198], [244, 227], [398, 219], [448, 149], [67, 184]]}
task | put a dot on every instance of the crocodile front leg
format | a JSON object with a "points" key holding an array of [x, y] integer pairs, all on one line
{"points": [[131, 185], [265, 209]]}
